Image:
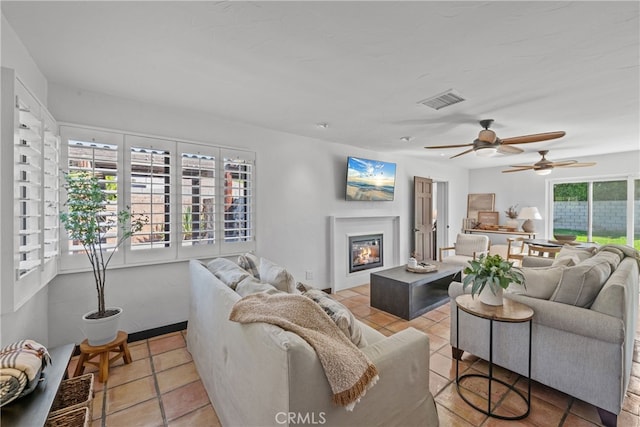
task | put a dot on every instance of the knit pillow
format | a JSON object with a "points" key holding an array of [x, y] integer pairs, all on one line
{"points": [[340, 314]]}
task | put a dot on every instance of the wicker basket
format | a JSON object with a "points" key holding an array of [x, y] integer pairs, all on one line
{"points": [[74, 393], [75, 418]]}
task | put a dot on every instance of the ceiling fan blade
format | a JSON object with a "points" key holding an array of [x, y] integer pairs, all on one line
{"points": [[507, 149], [563, 163], [460, 154], [439, 147], [519, 169], [578, 165], [536, 137]]}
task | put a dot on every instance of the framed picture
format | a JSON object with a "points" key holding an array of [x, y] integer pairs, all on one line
{"points": [[488, 218], [480, 202]]}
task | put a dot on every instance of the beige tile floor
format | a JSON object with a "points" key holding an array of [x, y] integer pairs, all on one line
{"points": [[162, 388]]}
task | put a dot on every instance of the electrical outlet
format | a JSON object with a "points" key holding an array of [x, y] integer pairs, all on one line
{"points": [[308, 275]]}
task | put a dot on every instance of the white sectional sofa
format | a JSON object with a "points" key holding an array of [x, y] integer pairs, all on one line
{"points": [[584, 326], [261, 375]]}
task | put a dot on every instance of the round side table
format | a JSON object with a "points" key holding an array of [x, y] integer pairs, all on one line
{"points": [[509, 312], [88, 352]]}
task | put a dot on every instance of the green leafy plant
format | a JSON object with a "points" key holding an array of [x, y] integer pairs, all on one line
{"points": [[491, 270], [88, 221]]}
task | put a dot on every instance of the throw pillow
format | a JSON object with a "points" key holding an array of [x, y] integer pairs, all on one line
{"points": [[277, 276], [540, 282], [581, 253], [340, 314], [611, 257], [250, 264], [581, 284], [251, 285], [567, 260], [227, 271]]}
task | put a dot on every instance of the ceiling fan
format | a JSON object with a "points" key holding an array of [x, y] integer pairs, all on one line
{"points": [[487, 144], [544, 166]]}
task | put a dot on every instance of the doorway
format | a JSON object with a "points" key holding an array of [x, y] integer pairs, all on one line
{"points": [[429, 217]]}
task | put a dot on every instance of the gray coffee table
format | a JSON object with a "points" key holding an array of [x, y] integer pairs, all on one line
{"points": [[408, 295]]}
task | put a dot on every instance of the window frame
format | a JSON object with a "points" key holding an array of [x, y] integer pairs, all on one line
{"points": [[590, 180]]}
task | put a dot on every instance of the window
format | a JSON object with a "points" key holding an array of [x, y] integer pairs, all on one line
{"points": [[198, 198], [192, 210], [596, 210]]}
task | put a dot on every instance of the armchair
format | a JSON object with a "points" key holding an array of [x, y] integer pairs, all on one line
{"points": [[467, 247]]}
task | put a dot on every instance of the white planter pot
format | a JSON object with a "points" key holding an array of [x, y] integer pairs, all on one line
{"points": [[488, 297], [101, 331], [513, 223]]}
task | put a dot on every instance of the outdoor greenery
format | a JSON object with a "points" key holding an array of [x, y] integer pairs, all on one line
{"points": [[88, 221], [491, 270], [581, 236]]}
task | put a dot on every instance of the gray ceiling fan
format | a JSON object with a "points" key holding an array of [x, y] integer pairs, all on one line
{"points": [[488, 144], [544, 166]]}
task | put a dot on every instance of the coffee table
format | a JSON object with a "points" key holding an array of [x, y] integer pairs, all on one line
{"points": [[407, 294]]}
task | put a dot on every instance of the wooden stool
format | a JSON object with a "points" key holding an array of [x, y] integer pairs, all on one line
{"points": [[88, 352]]}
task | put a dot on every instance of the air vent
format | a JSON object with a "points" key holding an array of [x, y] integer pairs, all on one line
{"points": [[442, 100]]}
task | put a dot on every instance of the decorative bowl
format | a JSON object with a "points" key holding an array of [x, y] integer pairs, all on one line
{"points": [[564, 238]]}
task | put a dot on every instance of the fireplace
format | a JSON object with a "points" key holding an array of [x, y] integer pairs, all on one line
{"points": [[365, 252]]}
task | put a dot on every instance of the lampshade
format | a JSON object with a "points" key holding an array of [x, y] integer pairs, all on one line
{"points": [[529, 213]]}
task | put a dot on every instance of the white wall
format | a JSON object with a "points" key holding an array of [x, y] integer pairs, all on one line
{"points": [[30, 321], [528, 189], [300, 183]]}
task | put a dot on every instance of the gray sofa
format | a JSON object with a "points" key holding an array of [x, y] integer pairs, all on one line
{"points": [[584, 325], [260, 375]]}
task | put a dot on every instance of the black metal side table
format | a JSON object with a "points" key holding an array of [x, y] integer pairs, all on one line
{"points": [[509, 312]]}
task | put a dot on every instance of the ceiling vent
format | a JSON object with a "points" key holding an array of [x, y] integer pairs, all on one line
{"points": [[442, 100]]}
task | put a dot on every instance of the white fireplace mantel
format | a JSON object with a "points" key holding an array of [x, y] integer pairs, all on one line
{"points": [[341, 227]]}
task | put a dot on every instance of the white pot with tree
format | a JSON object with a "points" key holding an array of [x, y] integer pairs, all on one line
{"points": [[88, 220], [512, 217]]}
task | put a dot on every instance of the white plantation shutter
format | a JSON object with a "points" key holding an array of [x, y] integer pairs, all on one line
{"points": [[150, 192], [238, 201], [198, 204], [51, 190], [28, 185], [96, 153]]}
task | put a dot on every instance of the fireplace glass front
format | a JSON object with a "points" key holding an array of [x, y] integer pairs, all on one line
{"points": [[365, 252]]}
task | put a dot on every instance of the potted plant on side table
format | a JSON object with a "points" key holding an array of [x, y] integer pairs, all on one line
{"points": [[88, 221], [489, 276]]}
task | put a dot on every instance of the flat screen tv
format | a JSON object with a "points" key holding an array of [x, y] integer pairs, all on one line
{"points": [[370, 179]]}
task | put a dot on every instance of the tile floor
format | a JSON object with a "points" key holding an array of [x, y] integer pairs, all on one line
{"points": [[162, 388]]}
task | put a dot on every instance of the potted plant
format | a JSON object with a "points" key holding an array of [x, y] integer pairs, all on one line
{"points": [[512, 214], [489, 276], [88, 221]]}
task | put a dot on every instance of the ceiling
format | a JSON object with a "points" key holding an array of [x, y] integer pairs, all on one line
{"points": [[362, 67]]}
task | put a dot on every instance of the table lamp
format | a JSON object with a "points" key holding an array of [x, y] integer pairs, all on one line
{"points": [[529, 214]]}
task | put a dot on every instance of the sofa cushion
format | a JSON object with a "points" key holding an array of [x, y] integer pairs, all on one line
{"points": [[611, 257], [340, 314], [277, 276], [250, 263], [227, 271], [581, 284], [581, 253], [540, 282], [251, 285], [566, 260]]}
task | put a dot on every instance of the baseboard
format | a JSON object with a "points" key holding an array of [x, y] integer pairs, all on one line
{"points": [[149, 333]]}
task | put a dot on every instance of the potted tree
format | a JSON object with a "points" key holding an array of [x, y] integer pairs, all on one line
{"points": [[512, 214], [489, 276], [88, 221]]}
